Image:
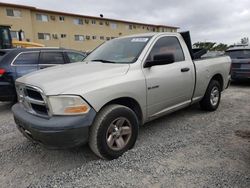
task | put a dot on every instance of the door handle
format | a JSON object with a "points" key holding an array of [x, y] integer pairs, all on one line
{"points": [[186, 69]]}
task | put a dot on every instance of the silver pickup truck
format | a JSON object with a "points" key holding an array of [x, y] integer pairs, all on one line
{"points": [[121, 85]]}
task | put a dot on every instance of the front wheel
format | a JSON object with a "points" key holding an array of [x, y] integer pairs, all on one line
{"points": [[114, 131], [211, 100]]}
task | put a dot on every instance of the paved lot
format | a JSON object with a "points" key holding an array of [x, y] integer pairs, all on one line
{"points": [[189, 148]]}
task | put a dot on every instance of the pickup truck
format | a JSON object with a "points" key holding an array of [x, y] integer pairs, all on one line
{"points": [[121, 85]]}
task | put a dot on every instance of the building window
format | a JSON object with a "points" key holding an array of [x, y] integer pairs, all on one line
{"points": [[13, 12], [134, 26], [42, 17], [44, 36], [52, 17], [94, 37], [54, 36], [78, 21], [15, 35], [113, 25], [63, 36], [101, 23], [79, 38], [93, 22], [153, 29], [101, 37], [61, 18], [107, 38], [130, 27]]}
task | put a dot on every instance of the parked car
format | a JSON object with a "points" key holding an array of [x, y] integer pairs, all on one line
{"points": [[213, 54], [17, 62], [240, 56], [124, 83]]}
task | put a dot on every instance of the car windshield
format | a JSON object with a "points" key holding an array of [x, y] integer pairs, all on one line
{"points": [[123, 50], [239, 54]]}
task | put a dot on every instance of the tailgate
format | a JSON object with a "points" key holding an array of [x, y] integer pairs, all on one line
{"points": [[241, 63]]}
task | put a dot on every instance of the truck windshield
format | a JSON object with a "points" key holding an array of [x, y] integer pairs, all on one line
{"points": [[239, 54], [123, 50]]}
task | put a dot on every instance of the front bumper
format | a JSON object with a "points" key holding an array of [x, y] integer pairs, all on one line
{"points": [[55, 132]]}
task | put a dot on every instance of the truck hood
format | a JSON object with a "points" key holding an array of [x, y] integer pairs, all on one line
{"points": [[64, 78]]}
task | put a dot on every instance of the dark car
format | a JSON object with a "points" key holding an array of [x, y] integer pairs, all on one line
{"points": [[15, 63], [240, 62]]}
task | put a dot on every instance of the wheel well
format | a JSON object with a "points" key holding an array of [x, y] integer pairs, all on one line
{"points": [[219, 78], [130, 103]]}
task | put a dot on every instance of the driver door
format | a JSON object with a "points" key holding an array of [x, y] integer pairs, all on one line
{"points": [[168, 86]]}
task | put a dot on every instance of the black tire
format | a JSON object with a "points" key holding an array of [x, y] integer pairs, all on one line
{"points": [[206, 103], [101, 126]]}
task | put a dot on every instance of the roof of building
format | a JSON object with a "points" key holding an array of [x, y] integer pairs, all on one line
{"points": [[80, 15]]}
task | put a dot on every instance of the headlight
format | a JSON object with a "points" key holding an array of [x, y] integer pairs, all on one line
{"points": [[68, 105]]}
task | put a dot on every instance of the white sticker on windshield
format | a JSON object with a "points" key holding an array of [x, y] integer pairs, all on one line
{"points": [[139, 40]]}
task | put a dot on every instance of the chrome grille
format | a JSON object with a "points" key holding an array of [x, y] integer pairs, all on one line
{"points": [[32, 99]]}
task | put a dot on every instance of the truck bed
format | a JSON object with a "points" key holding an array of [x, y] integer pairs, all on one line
{"points": [[208, 67]]}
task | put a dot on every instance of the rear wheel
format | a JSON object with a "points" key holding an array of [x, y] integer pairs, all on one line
{"points": [[114, 131], [211, 100]]}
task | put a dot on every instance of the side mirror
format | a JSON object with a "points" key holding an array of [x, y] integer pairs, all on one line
{"points": [[160, 59]]}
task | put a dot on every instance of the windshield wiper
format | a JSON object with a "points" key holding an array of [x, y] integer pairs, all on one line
{"points": [[104, 61]]}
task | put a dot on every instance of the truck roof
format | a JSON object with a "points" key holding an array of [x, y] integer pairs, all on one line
{"points": [[150, 34]]}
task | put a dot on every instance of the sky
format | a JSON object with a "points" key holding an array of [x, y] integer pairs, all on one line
{"points": [[221, 21]]}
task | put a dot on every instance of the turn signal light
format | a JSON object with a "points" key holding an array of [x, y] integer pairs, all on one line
{"points": [[76, 109]]}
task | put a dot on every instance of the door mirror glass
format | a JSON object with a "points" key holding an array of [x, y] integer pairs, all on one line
{"points": [[160, 59]]}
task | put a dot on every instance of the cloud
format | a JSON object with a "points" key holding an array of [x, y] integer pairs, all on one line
{"points": [[224, 21]]}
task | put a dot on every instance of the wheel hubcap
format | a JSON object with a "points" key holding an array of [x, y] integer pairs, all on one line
{"points": [[214, 97], [119, 133]]}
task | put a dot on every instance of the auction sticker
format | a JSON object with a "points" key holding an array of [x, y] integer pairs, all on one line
{"points": [[139, 40]]}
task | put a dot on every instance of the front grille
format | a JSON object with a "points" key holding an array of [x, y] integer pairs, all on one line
{"points": [[34, 94], [32, 99], [40, 109]]}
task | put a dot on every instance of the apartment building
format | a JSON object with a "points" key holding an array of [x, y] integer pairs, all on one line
{"points": [[60, 29]]}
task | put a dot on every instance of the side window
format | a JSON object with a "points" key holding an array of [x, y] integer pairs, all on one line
{"points": [[167, 45], [51, 58], [75, 57], [27, 59]]}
